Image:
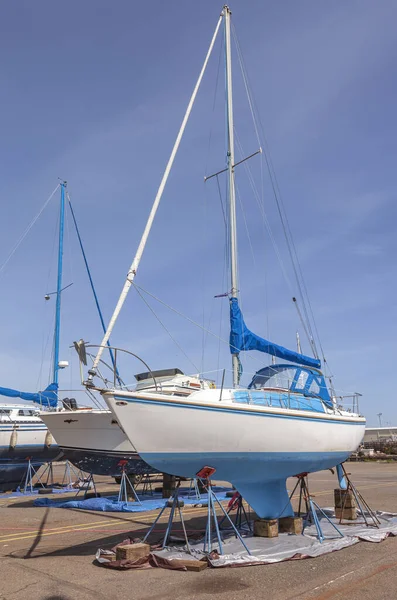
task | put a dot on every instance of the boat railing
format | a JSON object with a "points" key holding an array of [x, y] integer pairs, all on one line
{"points": [[347, 402], [114, 380]]}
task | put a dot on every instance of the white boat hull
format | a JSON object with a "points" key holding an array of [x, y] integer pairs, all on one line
{"points": [[256, 449], [20, 441], [94, 442]]}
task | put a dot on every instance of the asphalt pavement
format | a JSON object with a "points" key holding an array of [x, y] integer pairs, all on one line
{"points": [[48, 554]]}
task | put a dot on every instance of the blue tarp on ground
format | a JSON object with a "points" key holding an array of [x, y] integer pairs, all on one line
{"points": [[148, 502]]}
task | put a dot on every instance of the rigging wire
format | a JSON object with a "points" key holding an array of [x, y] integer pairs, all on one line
{"points": [[281, 210], [25, 233], [245, 224], [185, 316], [165, 328]]}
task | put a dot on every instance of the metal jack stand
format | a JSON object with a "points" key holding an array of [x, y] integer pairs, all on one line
{"points": [[67, 480], [311, 507], [49, 470], [242, 520], [194, 488], [365, 510], [204, 477], [31, 472], [87, 486], [123, 491], [174, 504], [147, 487]]}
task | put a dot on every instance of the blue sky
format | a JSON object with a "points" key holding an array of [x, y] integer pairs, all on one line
{"points": [[94, 92]]}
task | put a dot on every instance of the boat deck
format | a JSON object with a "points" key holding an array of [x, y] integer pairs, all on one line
{"points": [[48, 553]]}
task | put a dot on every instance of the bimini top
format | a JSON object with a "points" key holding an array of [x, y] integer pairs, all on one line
{"points": [[301, 380], [160, 373]]}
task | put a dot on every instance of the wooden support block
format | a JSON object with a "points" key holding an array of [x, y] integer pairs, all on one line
{"points": [[349, 514], [132, 551], [190, 564], [290, 525], [266, 528], [169, 485], [344, 498]]}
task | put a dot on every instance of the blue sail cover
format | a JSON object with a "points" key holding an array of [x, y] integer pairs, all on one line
{"points": [[49, 397], [241, 338]]}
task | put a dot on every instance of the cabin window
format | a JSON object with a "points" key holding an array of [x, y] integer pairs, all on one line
{"points": [[314, 388], [301, 381], [25, 413], [278, 379]]}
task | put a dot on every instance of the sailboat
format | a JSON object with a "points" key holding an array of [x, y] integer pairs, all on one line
{"points": [[286, 422], [23, 435]]}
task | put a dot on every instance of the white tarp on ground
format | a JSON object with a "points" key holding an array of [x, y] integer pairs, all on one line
{"points": [[288, 546]]}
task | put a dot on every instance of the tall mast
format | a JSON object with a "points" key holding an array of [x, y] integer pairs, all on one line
{"points": [[59, 285], [230, 166]]}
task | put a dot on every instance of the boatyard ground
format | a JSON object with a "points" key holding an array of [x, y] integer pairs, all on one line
{"points": [[48, 553]]}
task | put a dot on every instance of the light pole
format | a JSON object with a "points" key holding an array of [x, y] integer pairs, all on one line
{"points": [[379, 415]]}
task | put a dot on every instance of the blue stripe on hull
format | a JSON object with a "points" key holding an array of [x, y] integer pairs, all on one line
{"points": [[260, 477]]}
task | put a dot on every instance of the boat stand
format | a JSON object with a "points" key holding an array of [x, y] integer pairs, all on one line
{"points": [[242, 520], [147, 488], [67, 479], [312, 507], [194, 488], [49, 471], [126, 484], [31, 473], [369, 516], [204, 477], [88, 483], [174, 504]]}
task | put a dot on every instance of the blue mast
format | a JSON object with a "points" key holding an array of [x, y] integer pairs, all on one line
{"points": [[59, 285]]}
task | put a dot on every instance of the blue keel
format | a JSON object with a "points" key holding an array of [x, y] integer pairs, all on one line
{"points": [[260, 477], [269, 499]]}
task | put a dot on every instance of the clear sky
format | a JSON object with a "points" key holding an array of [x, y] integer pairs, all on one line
{"points": [[94, 92]]}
